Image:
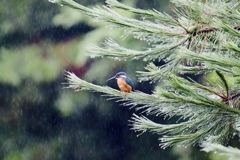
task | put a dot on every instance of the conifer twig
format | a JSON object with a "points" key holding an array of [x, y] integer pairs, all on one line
{"points": [[229, 152], [203, 118]]}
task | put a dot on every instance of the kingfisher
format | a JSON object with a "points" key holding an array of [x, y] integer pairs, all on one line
{"points": [[124, 83]]}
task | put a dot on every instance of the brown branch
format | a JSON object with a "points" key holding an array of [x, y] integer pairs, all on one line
{"points": [[205, 30], [237, 28], [234, 95], [208, 30], [227, 100]]}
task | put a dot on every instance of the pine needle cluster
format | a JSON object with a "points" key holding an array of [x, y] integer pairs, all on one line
{"points": [[202, 37]]}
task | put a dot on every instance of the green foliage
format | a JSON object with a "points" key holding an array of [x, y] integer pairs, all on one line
{"points": [[202, 37], [224, 152], [27, 16], [20, 68]]}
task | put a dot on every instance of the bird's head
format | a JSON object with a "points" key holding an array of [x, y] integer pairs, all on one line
{"points": [[118, 75]]}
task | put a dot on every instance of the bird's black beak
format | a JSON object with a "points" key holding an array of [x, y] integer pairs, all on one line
{"points": [[111, 78]]}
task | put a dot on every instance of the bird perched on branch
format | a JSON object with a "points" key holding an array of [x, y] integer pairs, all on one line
{"points": [[124, 83]]}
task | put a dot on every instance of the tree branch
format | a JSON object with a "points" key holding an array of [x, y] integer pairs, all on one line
{"points": [[208, 30], [229, 152]]}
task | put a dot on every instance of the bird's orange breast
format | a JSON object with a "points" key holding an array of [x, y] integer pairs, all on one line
{"points": [[123, 85]]}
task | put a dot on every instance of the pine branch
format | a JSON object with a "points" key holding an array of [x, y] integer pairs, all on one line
{"points": [[212, 61], [191, 93], [185, 101], [165, 32], [204, 11], [132, 26], [225, 27], [77, 84], [207, 33], [115, 51], [185, 133], [232, 46], [145, 13], [229, 152], [160, 96], [208, 30], [221, 76]]}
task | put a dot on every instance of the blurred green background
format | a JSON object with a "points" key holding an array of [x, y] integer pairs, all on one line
{"points": [[41, 121]]}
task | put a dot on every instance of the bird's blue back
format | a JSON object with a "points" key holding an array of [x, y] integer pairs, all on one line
{"points": [[129, 81]]}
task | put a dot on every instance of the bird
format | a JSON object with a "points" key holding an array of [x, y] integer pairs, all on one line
{"points": [[124, 83]]}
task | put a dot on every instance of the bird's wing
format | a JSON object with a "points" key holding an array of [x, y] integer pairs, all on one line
{"points": [[129, 81]]}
